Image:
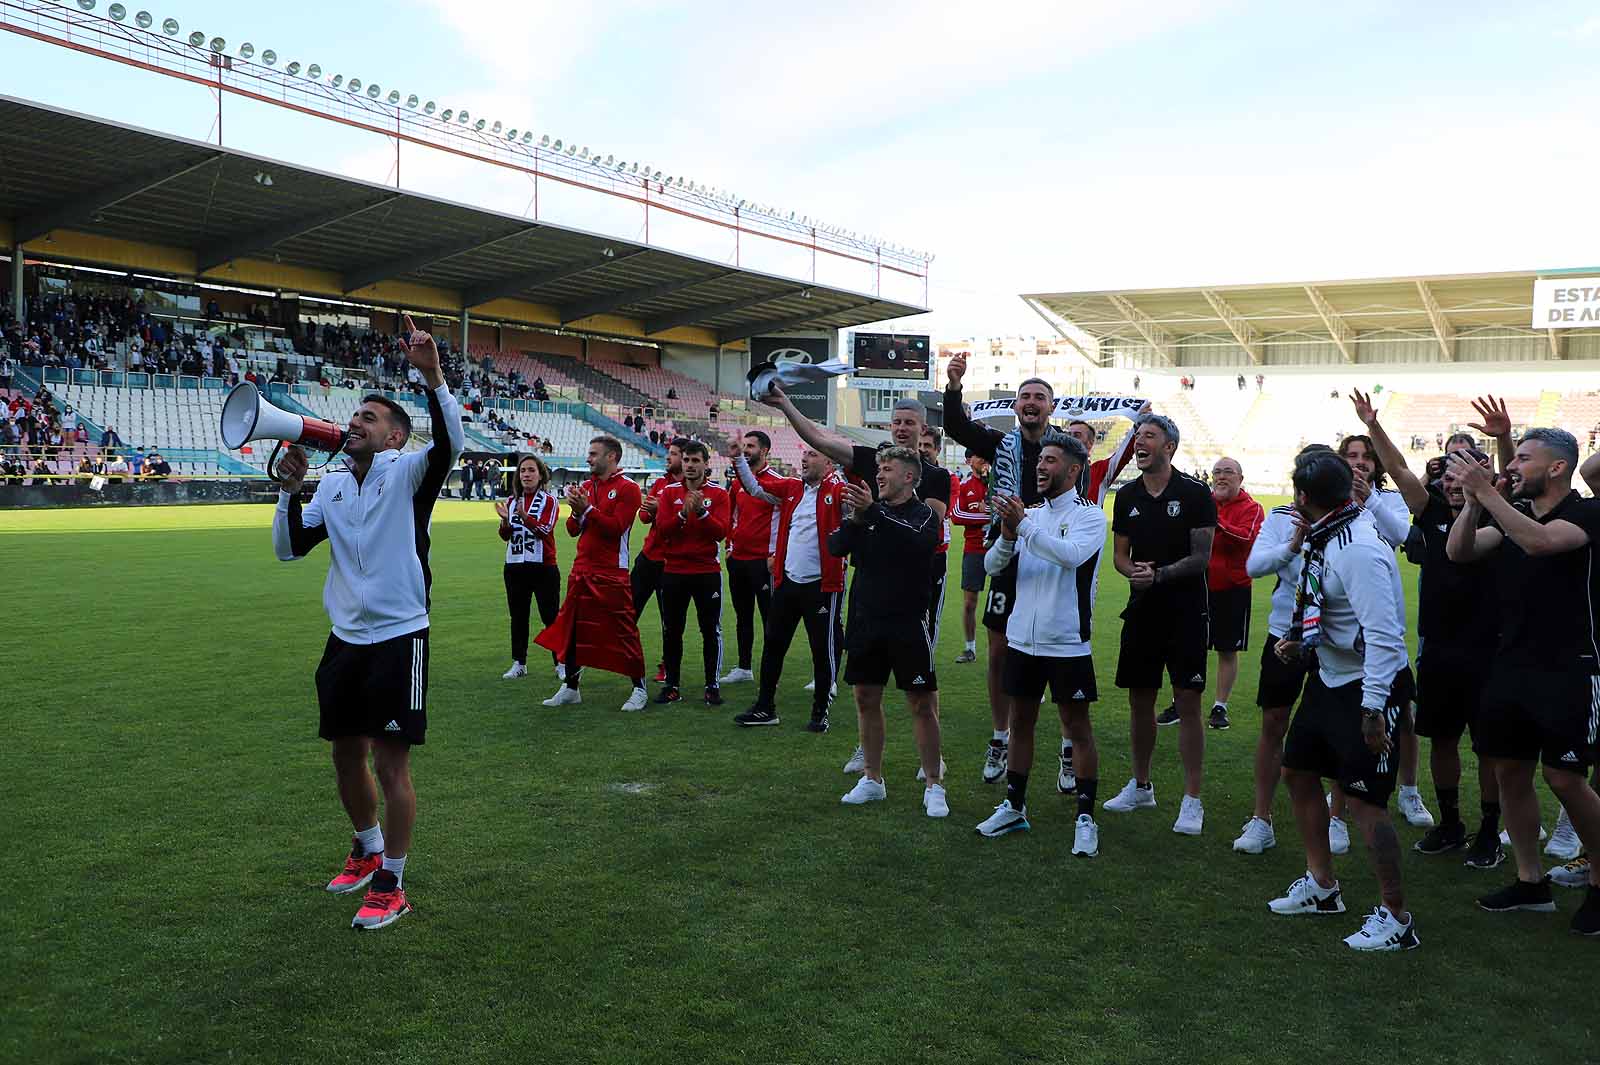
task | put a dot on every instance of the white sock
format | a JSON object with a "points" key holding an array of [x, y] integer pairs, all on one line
{"points": [[1408, 789], [972, 645], [1002, 735], [1220, 702], [371, 840], [397, 866], [1066, 747]]}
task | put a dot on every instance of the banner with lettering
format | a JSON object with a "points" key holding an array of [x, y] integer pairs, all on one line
{"points": [[1068, 408]]}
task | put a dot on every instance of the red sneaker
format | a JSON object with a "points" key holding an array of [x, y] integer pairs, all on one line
{"points": [[384, 905], [661, 673], [357, 871]]}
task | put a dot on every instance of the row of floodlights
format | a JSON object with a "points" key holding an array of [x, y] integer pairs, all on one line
{"points": [[144, 20]]}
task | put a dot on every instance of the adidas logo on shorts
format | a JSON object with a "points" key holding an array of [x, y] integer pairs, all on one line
{"points": [[1198, 679], [1356, 785], [393, 726], [1570, 756], [1079, 694], [918, 679]]}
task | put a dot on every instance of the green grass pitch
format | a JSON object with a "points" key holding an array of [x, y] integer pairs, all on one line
{"points": [[659, 887]]}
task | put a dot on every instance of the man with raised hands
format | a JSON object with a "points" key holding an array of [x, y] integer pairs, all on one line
{"points": [[372, 683]]}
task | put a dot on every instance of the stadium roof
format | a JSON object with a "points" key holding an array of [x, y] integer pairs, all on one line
{"points": [[82, 189], [1266, 324]]}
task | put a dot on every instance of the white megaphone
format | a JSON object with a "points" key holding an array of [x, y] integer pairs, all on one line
{"points": [[248, 415]]}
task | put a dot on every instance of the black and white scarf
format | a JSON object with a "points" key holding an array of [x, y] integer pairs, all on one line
{"points": [[1307, 620]]}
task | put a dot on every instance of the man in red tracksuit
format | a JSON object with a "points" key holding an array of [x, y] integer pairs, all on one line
{"points": [[693, 516], [646, 576], [596, 626], [808, 583], [969, 508], [749, 548], [1239, 520]]}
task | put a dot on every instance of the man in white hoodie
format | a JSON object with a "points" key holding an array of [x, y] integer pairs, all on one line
{"points": [[1056, 546], [1345, 612]]}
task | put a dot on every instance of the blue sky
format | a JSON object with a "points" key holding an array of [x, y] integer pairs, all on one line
{"points": [[1031, 146]]}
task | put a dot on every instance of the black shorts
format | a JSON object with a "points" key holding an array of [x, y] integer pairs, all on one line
{"points": [[1002, 597], [902, 648], [1325, 738], [1529, 713], [1158, 638], [972, 572], [1450, 688], [378, 690], [1281, 682], [1230, 618], [1071, 680]]}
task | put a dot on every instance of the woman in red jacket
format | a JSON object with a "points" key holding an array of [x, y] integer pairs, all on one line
{"points": [[528, 526]]}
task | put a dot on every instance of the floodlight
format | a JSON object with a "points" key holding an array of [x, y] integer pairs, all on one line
{"points": [[373, 92], [246, 50], [544, 141], [394, 98], [527, 137], [428, 108], [657, 175], [353, 85], [412, 101], [197, 39], [634, 169], [219, 45], [338, 80], [293, 69], [496, 127], [117, 12], [144, 20], [511, 134], [314, 72], [572, 149], [462, 116], [445, 114], [478, 125], [610, 160], [584, 155], [680, 183], [87, 5], [269, 57], [556, 147], [169, 27]]}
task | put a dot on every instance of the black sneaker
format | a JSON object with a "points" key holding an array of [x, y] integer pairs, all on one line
{"points": [[1521, 895], [1485, 851], [1586, 922], [1219, 717], [1442, 838], [818, 722], [714, 698], [669, 694], [756, 715], [1169, 716]]}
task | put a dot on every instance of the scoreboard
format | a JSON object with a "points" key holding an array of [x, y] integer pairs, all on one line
{"points": [[893, 358]]}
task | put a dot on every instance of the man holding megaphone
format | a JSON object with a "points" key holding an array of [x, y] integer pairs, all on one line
{"points": [[373, 680]]}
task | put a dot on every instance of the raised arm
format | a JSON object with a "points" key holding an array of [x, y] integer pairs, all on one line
{"points": [[1412, 490], [295, 533], [748, 482], [1495, 423], [1547, 538], [817, 438], [957, 426], [1467, 542]]}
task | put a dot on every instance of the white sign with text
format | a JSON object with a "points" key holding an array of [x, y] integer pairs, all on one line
{"points": [[1566, 303]]}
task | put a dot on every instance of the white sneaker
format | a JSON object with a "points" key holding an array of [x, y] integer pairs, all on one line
{"points": [[1411, 806], [1338, 836], [1005, 818], [517, 670], [1564, 844], [1066, 780], [866, 790], [1574, 874], [1505, 836], [737, 676], [637, 700], [1307, 896], [933, 801], [1382, 931], [1131, 797], [1191, 817], [995, 760], [1086, 838], [564, 696], [921, 776], [857, 762], [561, 671], [1257, 836]]}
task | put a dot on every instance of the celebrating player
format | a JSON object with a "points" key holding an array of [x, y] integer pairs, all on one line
{"points": [[808, 583], [1164, 523], [969, 509], [372, 683], [694, 516], [1345, 613], [1057, 545], [749, 551], [891, 541], [596, 624], [1539, 705], [528, 526], [646, 576]]}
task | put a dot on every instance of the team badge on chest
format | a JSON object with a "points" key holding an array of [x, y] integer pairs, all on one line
{"points": [[1174, 508]]}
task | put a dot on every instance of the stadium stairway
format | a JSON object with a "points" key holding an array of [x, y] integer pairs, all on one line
{"points": [[608, 388], [1549, 405]]}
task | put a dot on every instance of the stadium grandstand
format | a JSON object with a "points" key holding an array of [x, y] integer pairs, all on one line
{"points": [[1258, 371], [134, 314]]}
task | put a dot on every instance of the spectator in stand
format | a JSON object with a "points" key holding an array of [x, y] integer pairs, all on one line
{"points": [[116, 468], [1261, 381], [156, 468], [85, 469], [83, 433], [547, 448], [42, 473], [7, 369], [672, 393]]}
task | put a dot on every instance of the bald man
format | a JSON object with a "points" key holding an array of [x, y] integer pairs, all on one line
{"points": [[1239, 520]]}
